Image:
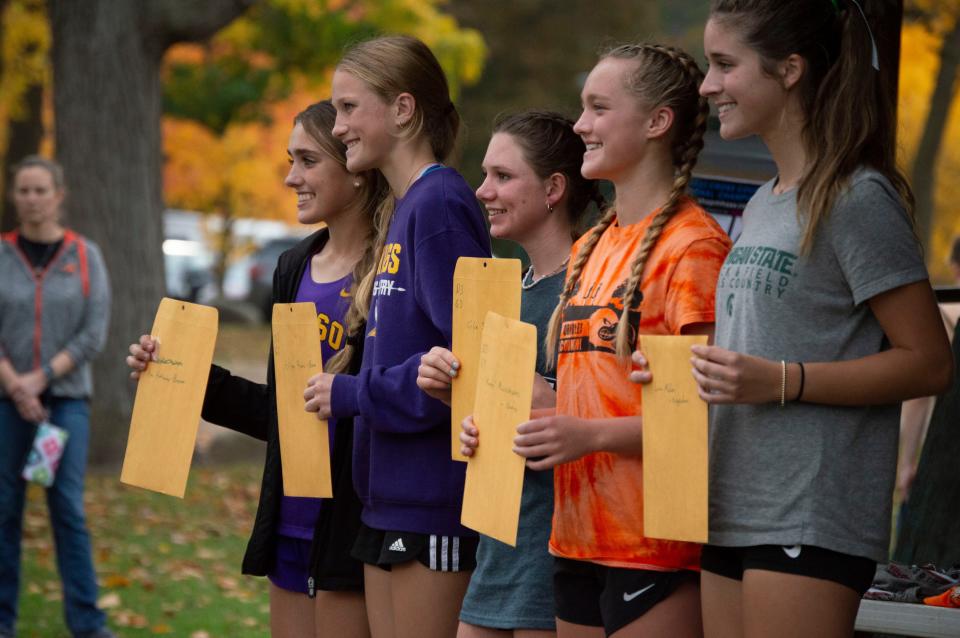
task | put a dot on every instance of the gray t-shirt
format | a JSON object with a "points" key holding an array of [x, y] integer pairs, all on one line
{"points": [[512, 587], [809, 474]]}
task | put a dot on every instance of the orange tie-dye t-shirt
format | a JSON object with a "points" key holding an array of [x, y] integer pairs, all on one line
{"points": [[598, 512]]}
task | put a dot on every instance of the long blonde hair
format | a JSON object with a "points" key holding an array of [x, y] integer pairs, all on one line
{"points": [[390, 66], [663, 76]]}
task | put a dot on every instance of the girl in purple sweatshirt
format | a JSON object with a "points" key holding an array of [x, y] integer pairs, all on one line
{"points": [[394, 114]]}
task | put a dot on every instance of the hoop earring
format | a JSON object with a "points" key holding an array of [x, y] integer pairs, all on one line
{"points": [[549, 208]]}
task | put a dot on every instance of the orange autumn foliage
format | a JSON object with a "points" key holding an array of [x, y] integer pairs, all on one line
{"points": [[244, 169], [919, 62]]}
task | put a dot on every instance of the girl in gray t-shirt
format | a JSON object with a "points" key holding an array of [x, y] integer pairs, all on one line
{"points": [[825, 322]]}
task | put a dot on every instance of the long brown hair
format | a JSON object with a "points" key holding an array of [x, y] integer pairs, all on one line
{"points": [[662, 76], [849, 118], [549, 146], [317, 120], [389, 66]]}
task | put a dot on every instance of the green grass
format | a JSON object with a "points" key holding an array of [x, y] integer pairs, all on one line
{"points": [[240, 344], [166, 566]]}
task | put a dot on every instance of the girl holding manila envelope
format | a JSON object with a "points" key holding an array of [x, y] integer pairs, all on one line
{"points": [[303, 544], [534, 195], [808, 371], [649, 266], [395, 115]]}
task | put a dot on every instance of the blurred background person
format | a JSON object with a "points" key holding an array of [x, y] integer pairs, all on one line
{"points": [[54, 309]]}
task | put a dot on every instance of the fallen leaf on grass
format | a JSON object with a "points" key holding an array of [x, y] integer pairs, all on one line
{"points": [[208, 554], [161, 629], [127, 618], [226, 583], [200, 634], [116, 581], [109, 601]]}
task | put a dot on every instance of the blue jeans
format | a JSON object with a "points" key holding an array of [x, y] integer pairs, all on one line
{"points": [[65, 502]]}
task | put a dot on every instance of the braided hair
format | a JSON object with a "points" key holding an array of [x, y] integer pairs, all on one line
{"points": [[663, 76]]}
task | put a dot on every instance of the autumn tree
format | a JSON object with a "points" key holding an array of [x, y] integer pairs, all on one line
{"points": [[107, 98], [229, 93], [940, 18], [23, 73]]}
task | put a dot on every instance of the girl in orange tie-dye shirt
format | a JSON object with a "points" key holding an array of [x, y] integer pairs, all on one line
{"points": [[649, 266]]}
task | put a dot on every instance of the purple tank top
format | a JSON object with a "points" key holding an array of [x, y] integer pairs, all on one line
{"points": [[298, 515]]}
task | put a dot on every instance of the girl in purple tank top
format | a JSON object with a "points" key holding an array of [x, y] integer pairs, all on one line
{"points": [[303, 544]]}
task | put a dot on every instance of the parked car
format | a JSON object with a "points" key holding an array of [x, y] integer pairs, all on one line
{"points": [[263, 261], [187, 265]]}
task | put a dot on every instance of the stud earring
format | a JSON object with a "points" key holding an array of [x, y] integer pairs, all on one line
{"points": [[356, 183]]}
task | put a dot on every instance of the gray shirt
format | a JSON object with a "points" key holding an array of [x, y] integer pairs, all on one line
{"points": [[809, 474], [513, 586], [65, 318]]}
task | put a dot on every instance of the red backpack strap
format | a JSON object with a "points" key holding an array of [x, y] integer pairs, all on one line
{"points": [[84, 267], [71, 236]]}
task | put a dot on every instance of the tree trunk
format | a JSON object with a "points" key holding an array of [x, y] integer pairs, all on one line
{"points": [[24, 139], [107, 98], [925, 163]]}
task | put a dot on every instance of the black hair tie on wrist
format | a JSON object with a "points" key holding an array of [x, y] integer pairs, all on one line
{"points": [[803, 377]]}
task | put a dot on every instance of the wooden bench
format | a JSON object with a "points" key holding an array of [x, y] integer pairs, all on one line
{"points": [[904, 619]]}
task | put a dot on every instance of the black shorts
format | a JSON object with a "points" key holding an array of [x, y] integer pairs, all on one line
{"points": [[854, 572], [610, 597], [437, 553]]}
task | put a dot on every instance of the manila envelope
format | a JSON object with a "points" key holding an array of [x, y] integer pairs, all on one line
{"points": [[304, 439], [674, 442], [480, 284], [494, 483], [166, 410]]}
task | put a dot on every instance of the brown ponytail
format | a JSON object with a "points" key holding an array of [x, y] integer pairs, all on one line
{"points": [[849, 119]]}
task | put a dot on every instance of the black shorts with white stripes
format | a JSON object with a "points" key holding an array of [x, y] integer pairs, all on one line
{"points": [[437, 553]]}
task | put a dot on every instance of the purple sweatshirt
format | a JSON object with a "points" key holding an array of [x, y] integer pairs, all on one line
{"points": [[402, 468]]}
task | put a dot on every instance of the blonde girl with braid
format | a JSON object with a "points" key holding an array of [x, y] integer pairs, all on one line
{"points": [[825, 322], [648, 267], [395, 116]]}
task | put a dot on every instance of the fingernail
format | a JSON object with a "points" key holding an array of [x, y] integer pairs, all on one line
{"points": [[453, 372], [455, 365]]}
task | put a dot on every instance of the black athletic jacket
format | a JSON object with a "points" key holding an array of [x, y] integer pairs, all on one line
{"points": [[251, 408]]}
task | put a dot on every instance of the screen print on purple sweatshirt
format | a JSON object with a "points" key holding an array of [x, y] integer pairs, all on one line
{"points": [[402, 468]]}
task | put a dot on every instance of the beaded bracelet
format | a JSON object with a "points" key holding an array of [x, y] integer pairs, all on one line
{"points": [[783, 383]]}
